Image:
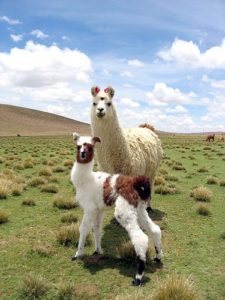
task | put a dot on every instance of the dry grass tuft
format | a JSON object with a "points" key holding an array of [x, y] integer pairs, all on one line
{"points": [[50, 188], [159, 180], [33, 287], [29, 202], [45, 172], [222, 182], [203, 210], [211, 180], [42, 250], [165, 190], [36, 181], [201, 194], [69, 235], [175, 288], [222, 236], [68, 163], [63, 202], [65, 291], [4, 217], [69, 218], [202, 170]]}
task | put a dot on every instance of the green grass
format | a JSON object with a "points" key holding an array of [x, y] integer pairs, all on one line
{"points": [[31, 254]]}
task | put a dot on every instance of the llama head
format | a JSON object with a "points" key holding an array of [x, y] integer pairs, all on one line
{"points": [[102, 106], [85, 147]]}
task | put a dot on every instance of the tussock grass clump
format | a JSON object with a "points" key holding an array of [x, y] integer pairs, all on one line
{"points": [[69, 218], [159, 180], [175, 287], [28, 164], [36, 181], [4, 217], [1, 160], [18, 166], [178, 168], [69, 235], [203, 210], [165, 190], [33, 287], [65, 291], [63, 202], [211, 180], [222, 236], [58, 169], [171, 178], [17, 189], [68, 163], [50, 188], [201, 194], [163, 171], [29, 202], [126, 252], [45, 172], [222, 182], [202, 170], [4, 189], [42, 250]]}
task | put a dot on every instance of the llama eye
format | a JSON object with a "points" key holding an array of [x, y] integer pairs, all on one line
{"points": [[109, 103], [94, 104]]}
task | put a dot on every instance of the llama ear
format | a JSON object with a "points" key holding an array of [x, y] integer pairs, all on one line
{"points": [[75, 136], [95, 90], [110, 91], [95, 140]]}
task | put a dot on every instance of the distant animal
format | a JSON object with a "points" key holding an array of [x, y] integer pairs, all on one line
{"points": [[210, 137], [18, 135], [133, 151], [96, 191]]}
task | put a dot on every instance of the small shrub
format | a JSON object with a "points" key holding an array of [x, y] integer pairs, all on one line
{"points": [[211, 180], [175, 287], [69, 218], [203, 210], [159, 180], [4, 217], [69, 235], [201, 194], [222, 182], [29, 202], [33, 287], [45, 172], [49, 188], [36, 181], [202, 170], [62, 202], [165, 190], [42, 250], [222, 236]]}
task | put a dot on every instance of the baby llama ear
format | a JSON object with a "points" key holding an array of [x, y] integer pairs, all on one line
{"points": [[95, 140], [75, 136], [110, 91], [95, 90]]}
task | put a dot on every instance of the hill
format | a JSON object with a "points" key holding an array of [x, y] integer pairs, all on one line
{"points": [[29, 122]]}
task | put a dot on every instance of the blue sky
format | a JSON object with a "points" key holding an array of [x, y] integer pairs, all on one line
{"points": [[165, 59]]}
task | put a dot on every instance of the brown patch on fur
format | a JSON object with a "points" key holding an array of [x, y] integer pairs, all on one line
{"points": [[149, 126], [89, 153], [129, 188], [108, 197]]}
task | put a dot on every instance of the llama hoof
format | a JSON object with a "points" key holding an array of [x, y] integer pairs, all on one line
{"points": [[74, 258], [95, 253], [136, 282], [158, 260], [149, 210]]}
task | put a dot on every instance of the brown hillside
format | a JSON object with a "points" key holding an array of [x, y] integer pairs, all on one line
{"points": [[24, 121]]}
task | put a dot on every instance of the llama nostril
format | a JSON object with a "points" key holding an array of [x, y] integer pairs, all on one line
{"points": [[100, 109]]}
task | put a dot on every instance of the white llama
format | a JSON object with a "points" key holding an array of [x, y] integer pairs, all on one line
{"points": [[95, 191], [134, 151]]}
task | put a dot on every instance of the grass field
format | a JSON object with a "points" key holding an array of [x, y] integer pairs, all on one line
{"points": [[36, 206]]}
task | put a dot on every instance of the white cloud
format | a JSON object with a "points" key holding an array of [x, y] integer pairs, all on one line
{"points": [[135, 63], [65, 38], [129, 102], [10, 21], [177, 109], [218, 84], [163, 95], [188, 54], [38, 65], [126, 74], [59, 109], [16, 37], [39, 34]]}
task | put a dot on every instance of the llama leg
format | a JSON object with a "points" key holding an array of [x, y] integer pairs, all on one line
{"points": [[152, 228], [126, 215], [84, 229], [97, 232]]}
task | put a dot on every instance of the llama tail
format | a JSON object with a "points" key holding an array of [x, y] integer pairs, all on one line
{"points": [[142, 186], [149, 126]]}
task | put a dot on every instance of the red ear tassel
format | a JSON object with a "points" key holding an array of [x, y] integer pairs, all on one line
{"points": [[106, 90], [97, 90]]}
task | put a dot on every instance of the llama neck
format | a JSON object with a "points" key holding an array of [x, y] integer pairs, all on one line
{"points": [[83, 172]]}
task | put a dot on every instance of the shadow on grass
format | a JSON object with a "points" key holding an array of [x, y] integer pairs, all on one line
{"points": [[114, 235], [156, 215]]}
